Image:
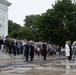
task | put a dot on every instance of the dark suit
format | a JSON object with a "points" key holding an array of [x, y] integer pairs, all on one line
{"points": [[1, 42], [44, 51], [70, 57], [31, 52], [26, 51]]}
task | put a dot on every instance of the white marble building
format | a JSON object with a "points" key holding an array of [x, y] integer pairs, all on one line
{"points": [[4, 4]]}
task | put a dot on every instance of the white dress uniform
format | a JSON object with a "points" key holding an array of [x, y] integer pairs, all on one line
{"points": [[67, 50]]}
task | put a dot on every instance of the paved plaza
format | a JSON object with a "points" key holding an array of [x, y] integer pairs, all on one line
{"points": [[54, 65]]}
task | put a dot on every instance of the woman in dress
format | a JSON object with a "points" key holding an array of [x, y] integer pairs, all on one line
{"points": [[67, 50]]}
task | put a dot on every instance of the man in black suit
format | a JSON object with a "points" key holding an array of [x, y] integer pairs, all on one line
{"points": [[26, 51], [31, 52], [70, 57], [1, 42], [44, 51]]}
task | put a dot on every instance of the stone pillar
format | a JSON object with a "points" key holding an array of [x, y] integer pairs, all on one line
{"points": [[4, 17]]}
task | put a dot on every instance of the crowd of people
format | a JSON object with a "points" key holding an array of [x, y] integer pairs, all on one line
{"points": [[31, 48]]}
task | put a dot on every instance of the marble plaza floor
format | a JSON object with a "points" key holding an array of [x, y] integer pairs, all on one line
{"points": [[54, 65]]}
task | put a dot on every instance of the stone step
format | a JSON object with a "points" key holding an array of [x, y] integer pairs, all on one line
{"points": [[6, 69]]}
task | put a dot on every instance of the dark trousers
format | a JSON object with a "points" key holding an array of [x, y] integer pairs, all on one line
{"points": [[0, 46], [31, 57], [70, 57], [27, 55], [14, 50], [44, 57]]}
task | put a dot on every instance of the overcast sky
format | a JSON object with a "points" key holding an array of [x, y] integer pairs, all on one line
{"points": [[20, 8]]}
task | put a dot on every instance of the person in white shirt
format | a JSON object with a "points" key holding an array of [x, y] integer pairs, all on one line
{"points": [[67, 50]]}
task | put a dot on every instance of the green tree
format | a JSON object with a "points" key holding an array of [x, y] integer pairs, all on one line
{"points": [[56, 25], [59, 23], [12, 27], [32, 22]]}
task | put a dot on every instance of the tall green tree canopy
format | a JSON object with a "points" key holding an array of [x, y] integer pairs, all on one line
{"points": [[56, 25]]}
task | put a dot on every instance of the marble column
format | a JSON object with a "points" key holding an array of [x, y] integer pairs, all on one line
{"points": [[4, 4]]}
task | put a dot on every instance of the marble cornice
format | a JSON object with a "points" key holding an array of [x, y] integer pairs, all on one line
{"points": [[5, 2]]}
